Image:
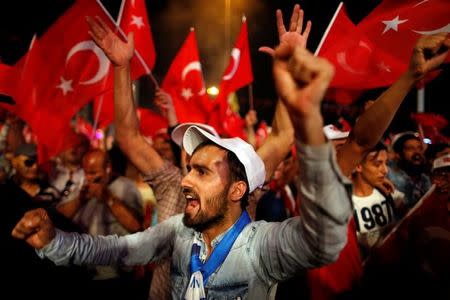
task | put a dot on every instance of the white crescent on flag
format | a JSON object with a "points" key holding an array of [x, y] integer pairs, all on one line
{"points": [[103, 61], [342, 59], [193, 66], [236, 55], [445, 28]]}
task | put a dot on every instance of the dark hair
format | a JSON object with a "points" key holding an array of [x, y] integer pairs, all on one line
{"points": [[400, 143], [377, 149], [237, 169]]}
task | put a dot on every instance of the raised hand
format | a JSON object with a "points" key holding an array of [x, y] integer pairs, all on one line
{"points": [[118, 51], [301, 79], [251, 118], [163, 100], [294, 36], [429, 52], [35, 228]]}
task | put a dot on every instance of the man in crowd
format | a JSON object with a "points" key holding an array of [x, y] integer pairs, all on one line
{"points": [[215, 233], [408, 172]]}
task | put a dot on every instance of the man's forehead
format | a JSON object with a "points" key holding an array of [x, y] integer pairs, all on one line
{"points": [[209, 154]]}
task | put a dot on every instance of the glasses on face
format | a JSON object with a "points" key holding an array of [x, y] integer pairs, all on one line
{"points": [[29, 162]]}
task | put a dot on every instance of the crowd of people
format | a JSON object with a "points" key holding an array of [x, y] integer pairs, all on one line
{"points": [[195, 215]]}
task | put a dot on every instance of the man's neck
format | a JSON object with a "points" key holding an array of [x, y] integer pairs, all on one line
{"points": [[211, 233]]}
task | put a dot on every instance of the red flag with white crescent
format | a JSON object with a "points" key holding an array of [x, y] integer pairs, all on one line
{"points": [[395, 26], [359, 63], [184, 82], [135, 19], [237, 74]]}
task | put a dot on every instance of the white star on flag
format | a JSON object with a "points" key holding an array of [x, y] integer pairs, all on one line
{"points": [[65, 86], [137, 21], [186, 93], [393, 24]]}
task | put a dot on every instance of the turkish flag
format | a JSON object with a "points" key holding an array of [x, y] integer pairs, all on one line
{"points": [[184, 82], [60, 74], [151, 122], [237, 74], [343, 96], [20, 82], [343, 275], [394, 26], [239, 71], [134, 19], [430, 211], [359, 63], [7, 85]]}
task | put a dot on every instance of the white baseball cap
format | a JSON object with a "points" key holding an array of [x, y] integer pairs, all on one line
{"points": [[441, 162], [401, 138], [178, 132], [254, 166], [333, 133]]}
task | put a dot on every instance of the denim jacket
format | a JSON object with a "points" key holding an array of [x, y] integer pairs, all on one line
{"points": [[263, 254]]}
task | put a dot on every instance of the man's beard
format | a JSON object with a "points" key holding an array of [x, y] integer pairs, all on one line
{"points": [[201, 221], [411, 168]]}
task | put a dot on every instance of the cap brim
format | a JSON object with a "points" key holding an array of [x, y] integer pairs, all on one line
{"points": [[194, 136], [178, 133]]}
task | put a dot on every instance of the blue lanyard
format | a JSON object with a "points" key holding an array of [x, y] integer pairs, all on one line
{"points": [[220, 252]]}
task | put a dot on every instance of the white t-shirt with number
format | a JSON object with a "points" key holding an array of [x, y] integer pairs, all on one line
{"points": [[374, 216]]}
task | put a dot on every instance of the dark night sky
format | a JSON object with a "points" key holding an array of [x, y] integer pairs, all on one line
{"points": [[171, 20]]}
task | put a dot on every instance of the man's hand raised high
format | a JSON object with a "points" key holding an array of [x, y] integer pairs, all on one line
{"points": [[118, 51], [293, 36]]}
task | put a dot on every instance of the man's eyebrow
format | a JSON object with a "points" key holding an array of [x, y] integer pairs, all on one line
{"points": [[199, 166]]}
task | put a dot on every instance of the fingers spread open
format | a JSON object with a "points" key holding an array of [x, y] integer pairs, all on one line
{"points": [[280, 24], [294, 18]]}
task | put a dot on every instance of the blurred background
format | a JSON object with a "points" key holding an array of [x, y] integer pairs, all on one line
{"points": [[217, 23]]}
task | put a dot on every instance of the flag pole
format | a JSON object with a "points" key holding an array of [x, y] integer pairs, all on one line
{"points": [[119, 16], [421, 100], [250, 96], [97, 115], [328, 28], [136, 52]]}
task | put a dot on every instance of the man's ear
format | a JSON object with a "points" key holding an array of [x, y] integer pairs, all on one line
{"points": [[358, 168], [237, 190]]}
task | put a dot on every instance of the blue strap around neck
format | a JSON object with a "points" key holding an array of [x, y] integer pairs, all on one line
{"points": [[220, 252]]}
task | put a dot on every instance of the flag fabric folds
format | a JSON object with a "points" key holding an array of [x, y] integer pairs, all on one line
{"points": [[184, 82]]}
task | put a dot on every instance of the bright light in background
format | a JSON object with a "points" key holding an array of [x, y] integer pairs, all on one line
{"points": [[427, 141], [212, 91], [99, 134]]}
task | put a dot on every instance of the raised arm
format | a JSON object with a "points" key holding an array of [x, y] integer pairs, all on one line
{"points": [[301, 81], [293, 35], [281, 138], [428, 53], [318, 235], [128, 135]]}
